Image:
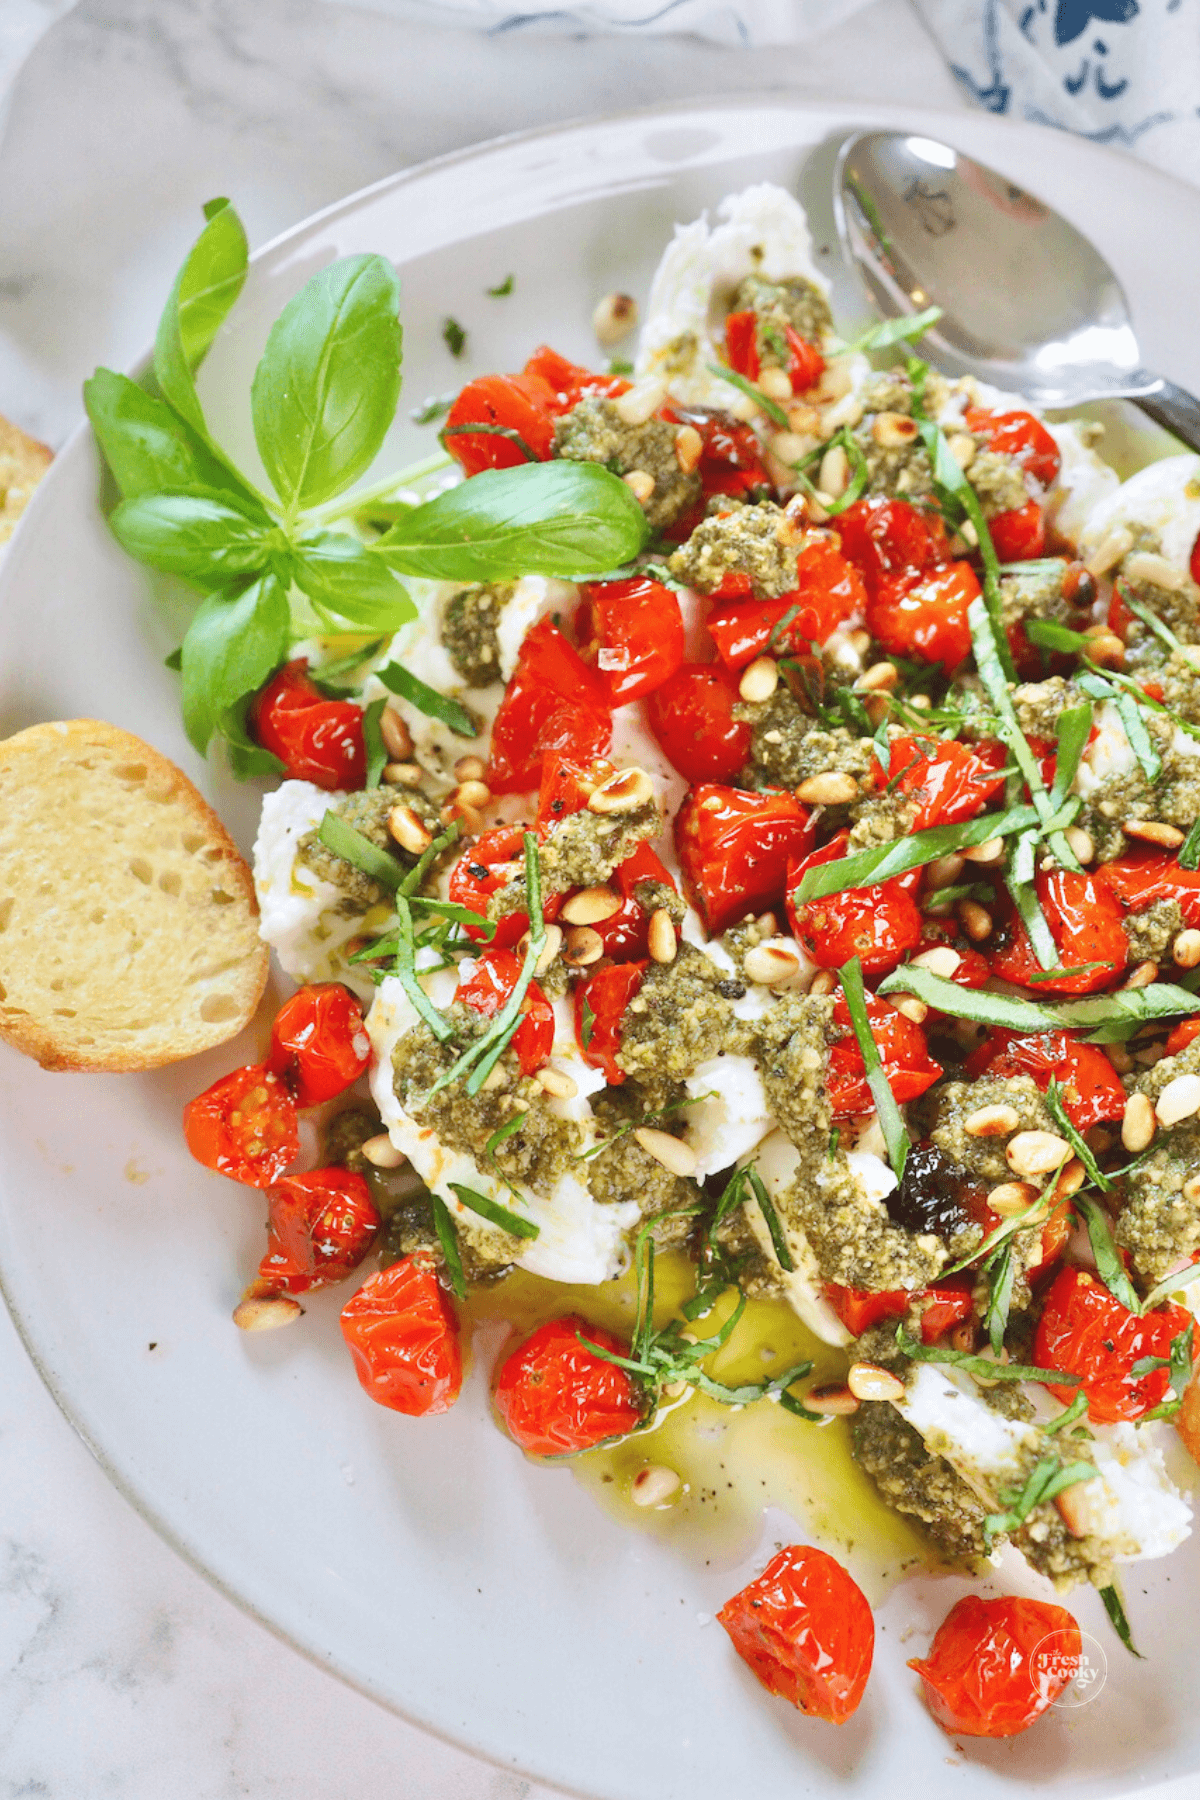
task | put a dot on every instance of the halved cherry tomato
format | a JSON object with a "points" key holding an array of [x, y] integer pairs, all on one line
{"points": [[860, 1308], [1085, 923], [735, 849], [925, 615], [556, 1397], [888, 538], [730, 457], [1092, 1090], [1019, 535], [805, 364], [320, 1227], [403, 1335], [1142, 877], [564, 788], [828, 592], [949, 781], [244, 1126], [806, 1630], [568, 381], [1181, 1037], [518, 412], [879, 925], [490, 988], [1020, 435], [633, 632], [643, 865], [691, 715], [902, 1050], [1084, 1330], [319, 1043], [316, 739], [994, 1666], [949, 1303], [1194, 561], [600, 1005], [476, 876], [553, 702]]}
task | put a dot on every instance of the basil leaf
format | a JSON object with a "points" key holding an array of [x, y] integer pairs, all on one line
{"points": [[426, 699], [868, 867], [766, 1207], [448, 1239], [1046, 1479], [1056, 1108], [895, 331], [205, 289], [1120, 1624], [1128, 710], [1000, 1274], [982, 1365], [1073, 730], [1109, 1266], [406, 970], [1148, 617], [496, 1214], [890, 1122], [246, 758], [1189, 850], [233, 644], [1048, 634], [346, 841], [556, 518], [772, 408], [204, 535], [377, 754], [150, 448], [343, 578], [1100, 1011], [1069, 1416], [326, 388]]}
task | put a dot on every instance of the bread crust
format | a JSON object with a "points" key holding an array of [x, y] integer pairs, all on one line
{"points": [[103, 796]]}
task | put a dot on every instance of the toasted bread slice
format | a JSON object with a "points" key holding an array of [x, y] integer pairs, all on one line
{"points": [[128, 924], [23, 462]]}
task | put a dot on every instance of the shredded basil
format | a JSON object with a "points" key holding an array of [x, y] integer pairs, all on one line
{"points": [[448, 1239], [350, 844], [1046, 1479], [894, 331], [494, 1212], [766, 1207], [1070, 1415], [1120, 1624], [982, 1365], [770, 407], [426, 699], [376, 749], [454, 336], [1101, 1012], [890, 1122]]}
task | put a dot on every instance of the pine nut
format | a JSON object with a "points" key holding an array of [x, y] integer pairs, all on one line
{"points": [[556, 1083], [1037, 1152], [992, 1121], [654, 1486], [689, 447], [921, 703], [1109, 551], [830, 789], [962, 1338], [662, 939], [1119, 1057], [1153, 831], [641, 402], [1073, 1509], [911, 1007], [549, 950], [1080, 841], [860, 641], [941, 960], [403, 774], [1069, 1181], [623, 792], [1191, 1190], [408, 830], [771, 965], [846, 411], [1145, 975], [397, 738], [962, 447], [881, 677], [265, 1312], [867, 1381], [472, 793], [1179, 1100], [823, 982], [591, 906], [670, 1151], [833, 477], [640, 485], [833, 1397], [989, 1355], [789, 447], [1011, 1198], [583, 946], [381, 1153], [792, 529], [892, 431], [776, 384], [1138, 1123], [759, 679], [1185, 951], [767, 925], [1144, 565], [470, 768], [469, 817], [614, 318], [805, 420], [984, 855], [497, 1079], [944, 872], [976, 919], [1106, 650]]}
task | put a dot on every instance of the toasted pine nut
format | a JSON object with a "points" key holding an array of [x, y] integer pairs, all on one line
{"points": [[1081, 844], [641, 402], [403, 774], [1138, 1123], [867, 1381], [911, 1007], [1191, 1190], [663, 941], [266, 1312], [759, 679], [1037, 1152], [1069, 1181], [805, 420], [614, 318], [469, 817], [472, 793], [962, 447], [1144, 565], [776, 384], [833, 788], [654, 1485], [881, 677], [771, 964], [623, 792], [640, 485], [1179, 1100], [992, 1121], [549, 950], [766, 925], [1145, 975], [823, 982], [921, 702], [846, 411], [984, 855], [793, 527], [1119, 1057], [860, 641], [470, 768], [397, 738], [1107, 650], [962, 1338], [977, 920], [789, 447], [1073, 1508], [556, 1083], [497, 1079], [408, 830], [583, 946], [381, 1153], [832, 1397], [1185, 951], [591, 906], [941, 960], [1109, 551], [892, 431], [944, 872], [1011, 1198], [689, 447], [833, 477], [670, 1151]]}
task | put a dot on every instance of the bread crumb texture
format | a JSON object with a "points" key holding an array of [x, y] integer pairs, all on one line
{"points": [[23, 462], [128, 924]]}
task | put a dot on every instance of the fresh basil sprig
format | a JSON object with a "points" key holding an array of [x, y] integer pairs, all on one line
{"points": [[1103, 1013], [903, 330], [426, 699]]}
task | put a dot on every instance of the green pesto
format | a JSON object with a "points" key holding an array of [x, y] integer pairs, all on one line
{"points": [[746, 541], [344, 1137], [625, 1171], [1180, 680], [1036, 594], [656, 896], [746, 935], [999, 482], [594, 431], [795, 302], [916, 1482], [1172, 798], [470, 631], [681, 1015], [1151, 933], [1178, 608], [982, 1158], [367, 811], [486, 1256], [582, 851], [1157, 1224], [1039, 704]]}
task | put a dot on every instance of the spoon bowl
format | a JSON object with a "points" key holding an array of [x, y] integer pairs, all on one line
{"points": [[1028, 303]]}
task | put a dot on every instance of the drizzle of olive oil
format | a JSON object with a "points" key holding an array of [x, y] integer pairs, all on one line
{"points": [[733, 1462]]}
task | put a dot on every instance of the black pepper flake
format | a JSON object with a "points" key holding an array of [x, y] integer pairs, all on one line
{"points": [[731, 990]]}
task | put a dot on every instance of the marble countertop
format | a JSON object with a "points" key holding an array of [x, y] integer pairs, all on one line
{"points": [[127, 1675]]}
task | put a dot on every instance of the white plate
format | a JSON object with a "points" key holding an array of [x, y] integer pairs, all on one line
{"points": [[425, 1561]]}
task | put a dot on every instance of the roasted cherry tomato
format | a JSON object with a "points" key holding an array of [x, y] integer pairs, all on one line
{"points": [[946, 1304], [600, 1005], [320, 1227], [888, 538], [741, 343], [805, 1629], [1181, 1037], [879, 925], [569, 382], [730, 457], [1020, 435], [565, 788], [319, 1043], [553, 702], [643, 865], [556, 1397], [1092, 1090], [1019, 535], [490, 988], [403, 1335], [902, 1050], [517, 412], [829, 591], [633, 633], [691, 715], [1140, 878], [1085, 923], [244, 1126], [925, 615], [860, 1308], [949, 781], [994, 1666], [1084, 1330], [804, 367], [480, 872], [735, 849], [1194, 563], [316, 739]]}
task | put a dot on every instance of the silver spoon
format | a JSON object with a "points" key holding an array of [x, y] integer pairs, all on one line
{"points": [[1028, 303]]}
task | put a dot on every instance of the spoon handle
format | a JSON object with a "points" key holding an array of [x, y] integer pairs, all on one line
{"points": [[1173, 408]]}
